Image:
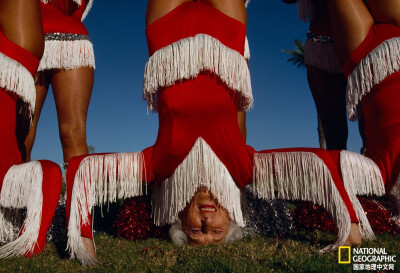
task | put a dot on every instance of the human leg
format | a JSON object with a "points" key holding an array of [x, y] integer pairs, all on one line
{"points": [[232, 8], [21, 23], [72, 90], [158, 8], [387, 12], [328, 90], [42, 86], [350, 24]]}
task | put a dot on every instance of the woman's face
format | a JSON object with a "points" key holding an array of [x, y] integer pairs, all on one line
{"points": [[204, 221]]}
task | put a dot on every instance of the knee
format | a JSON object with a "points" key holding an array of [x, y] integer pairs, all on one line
{"points": [[71, 133]]}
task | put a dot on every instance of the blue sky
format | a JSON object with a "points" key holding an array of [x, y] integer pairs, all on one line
{"points": [[284, 113]]}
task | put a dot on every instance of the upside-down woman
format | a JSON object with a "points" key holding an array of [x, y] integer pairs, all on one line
{"points": [[197, 79], [35, 186]]}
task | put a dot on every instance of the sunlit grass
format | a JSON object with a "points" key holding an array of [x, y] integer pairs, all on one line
{"points": [[298, 252]]}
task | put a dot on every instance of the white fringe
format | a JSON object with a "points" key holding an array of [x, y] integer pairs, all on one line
{"points": [[186, 58], [100, 179], [361, 176], [363, 173], [87, 9], [396, 193], [200, 168], [301, 176], [306, 10], [22, 187], [322, 56], [381, 62], [67, 55], [246, 49], [17, 79]]}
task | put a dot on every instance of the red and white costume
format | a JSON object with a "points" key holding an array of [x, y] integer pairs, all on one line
{"points": [[373, 75], [36, 185], [319, 50], [67, 44], [197, 79]]}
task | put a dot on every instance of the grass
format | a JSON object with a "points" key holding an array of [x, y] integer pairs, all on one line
{"points": [[299, 252]]}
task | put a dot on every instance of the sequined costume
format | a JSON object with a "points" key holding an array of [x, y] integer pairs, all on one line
{"points": [[36, 185], [374, 79], [67, 43], [319, 50], [197, 79]]}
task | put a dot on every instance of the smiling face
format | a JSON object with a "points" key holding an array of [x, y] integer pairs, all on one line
{"points": [[204, 221]]}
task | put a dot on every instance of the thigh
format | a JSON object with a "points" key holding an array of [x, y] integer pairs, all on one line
{"points": [[385, 11], [72, 91], [158, 8], [21, 22], [232, 8], [350, 23]]}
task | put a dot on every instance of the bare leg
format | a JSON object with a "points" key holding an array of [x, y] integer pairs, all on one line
{"points": [[21, 22], [232, 8], [350, 24], [158, 8], [328, 91], [354, 238], [387, 11], [42, 87], [72, 90]]}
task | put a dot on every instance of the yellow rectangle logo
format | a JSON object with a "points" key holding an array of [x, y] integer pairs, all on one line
{"points": [[345, 254]]}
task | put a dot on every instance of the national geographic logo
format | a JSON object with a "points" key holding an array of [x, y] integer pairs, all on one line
{"points": [[344, 254], [364, 258]]}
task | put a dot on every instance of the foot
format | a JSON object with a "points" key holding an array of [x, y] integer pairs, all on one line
{"points": [[89, 246], [354, 238]]}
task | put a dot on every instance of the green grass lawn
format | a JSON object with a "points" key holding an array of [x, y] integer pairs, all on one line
{"points": [[298, 252]]}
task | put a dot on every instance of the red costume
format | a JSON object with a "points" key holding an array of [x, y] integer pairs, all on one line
{"points": [[374, 78], [36, 185], [197, 79], [67, 44]]}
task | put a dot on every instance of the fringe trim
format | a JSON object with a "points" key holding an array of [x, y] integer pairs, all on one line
{"points": [[246, 49], [17, 79], [381, 62], [361, 172], [101, 179], [361, 176], [322, 56], [396, 193], [301, 176], [87, 9], [200, 168], [22, 187], [67, 55], [306, 10], [186, 58]]}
